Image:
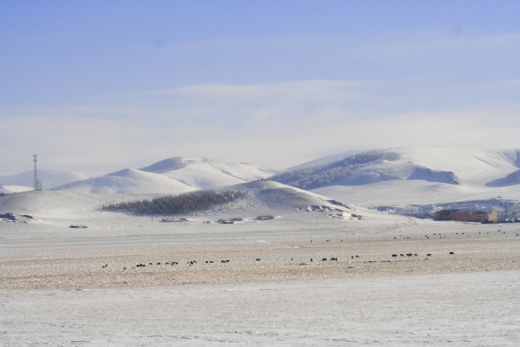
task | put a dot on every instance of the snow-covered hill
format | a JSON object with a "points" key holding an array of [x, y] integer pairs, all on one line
{"points": [[202, 173], [128, 181], [325, 160], [398, 177], [441, 165], [49, 178], [286, 205], [173, 175]]}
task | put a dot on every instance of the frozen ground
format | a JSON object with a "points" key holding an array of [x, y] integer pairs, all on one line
{"points": [[469, 309]]}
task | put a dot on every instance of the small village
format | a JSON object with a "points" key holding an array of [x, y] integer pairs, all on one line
{"points": [[473, 216]]}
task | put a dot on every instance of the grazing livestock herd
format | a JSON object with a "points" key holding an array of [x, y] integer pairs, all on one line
{"points": [[224, 261]]}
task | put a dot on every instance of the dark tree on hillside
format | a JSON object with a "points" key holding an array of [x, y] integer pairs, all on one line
{"points": [[177, 204]]}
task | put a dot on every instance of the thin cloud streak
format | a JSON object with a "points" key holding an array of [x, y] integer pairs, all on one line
{"points": [[273, 125]]}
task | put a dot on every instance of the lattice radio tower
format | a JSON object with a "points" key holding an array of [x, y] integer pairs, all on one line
{"points": [[37, 183]]}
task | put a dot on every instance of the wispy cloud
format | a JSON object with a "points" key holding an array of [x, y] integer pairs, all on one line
{"points": [[274, 125]]}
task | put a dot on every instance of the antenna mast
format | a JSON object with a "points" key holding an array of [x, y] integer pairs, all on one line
{"points": [[37, 183]]}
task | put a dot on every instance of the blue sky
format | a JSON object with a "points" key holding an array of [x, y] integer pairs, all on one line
{"points": [[96, 86]]}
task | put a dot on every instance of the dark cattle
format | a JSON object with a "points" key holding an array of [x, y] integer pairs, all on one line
{"points": [[324, 259], [211, 261], [409, 254], [415, 255], [357, 256], [401, 255], [311, 259], [257, 259], [428, 255], [158, 263], [452, 253], [167, 263], [150, 263], [333, 259], [394, 255]]}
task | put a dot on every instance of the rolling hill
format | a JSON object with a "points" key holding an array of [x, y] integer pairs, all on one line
{"points": [[403, 176], [173, 175]]}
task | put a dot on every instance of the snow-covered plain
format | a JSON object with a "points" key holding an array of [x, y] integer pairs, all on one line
{"points": [[472, 309]]}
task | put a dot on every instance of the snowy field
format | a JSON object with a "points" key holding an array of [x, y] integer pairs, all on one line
{"points": [[394, 283], [468, 309]]}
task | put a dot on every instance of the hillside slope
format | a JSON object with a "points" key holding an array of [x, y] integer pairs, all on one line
{"points": [[283, 204], [173, 175], [128, 181], [441, 165], [404, 176], [202, 173]]}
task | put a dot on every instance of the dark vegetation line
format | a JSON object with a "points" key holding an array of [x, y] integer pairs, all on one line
{"points": [[177, 204], [327, 174]]}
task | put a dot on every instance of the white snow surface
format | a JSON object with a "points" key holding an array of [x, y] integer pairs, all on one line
{"points": [[473, 167], [128, 181], [49, 178], [13, 189], [202, 173], [469, 309], [326, 160], [173, 175]]}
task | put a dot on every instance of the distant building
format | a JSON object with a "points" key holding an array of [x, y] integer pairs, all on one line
{"points": [[493, 216], [466, 216], [445, 215], [479, 216], [462, 216]]}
